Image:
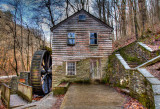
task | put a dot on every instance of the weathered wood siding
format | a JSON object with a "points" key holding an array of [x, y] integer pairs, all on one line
{"points": [[82, 49]]}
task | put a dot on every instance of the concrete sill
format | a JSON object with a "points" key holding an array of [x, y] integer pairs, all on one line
{"points": [[93, 45], [70, 76]]}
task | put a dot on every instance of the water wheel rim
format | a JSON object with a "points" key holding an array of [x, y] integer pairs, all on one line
{"points": [[37, 84]]}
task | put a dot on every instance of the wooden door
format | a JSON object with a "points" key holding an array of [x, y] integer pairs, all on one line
{"points": [[95, 69]]}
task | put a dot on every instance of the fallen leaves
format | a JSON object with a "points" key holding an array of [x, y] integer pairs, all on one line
{"points": [[2, 106], [58, 102], [37, 98], [130, 103], [154, 69]]}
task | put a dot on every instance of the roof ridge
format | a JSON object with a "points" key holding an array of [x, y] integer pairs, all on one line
{"points": [[95, 18]]}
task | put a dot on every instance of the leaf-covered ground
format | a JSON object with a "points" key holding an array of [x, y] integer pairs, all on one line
{"points": [[130, 103], [154, 70], [58, 102]]}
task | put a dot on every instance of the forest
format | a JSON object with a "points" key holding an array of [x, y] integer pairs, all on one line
{"points": [[25, 24]]}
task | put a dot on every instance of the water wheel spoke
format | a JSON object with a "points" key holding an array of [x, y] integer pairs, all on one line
{"points": [[43, 77], [46, 63]]}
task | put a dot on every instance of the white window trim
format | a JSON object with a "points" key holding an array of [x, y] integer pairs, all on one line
{"points": [[90, 38], [67, 68]]}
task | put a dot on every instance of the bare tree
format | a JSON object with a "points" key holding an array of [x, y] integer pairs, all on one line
{"points": [[21, 45], [135, 19], [28, 45], [15, 4], [48, 5], [104, 11], [143, 15]]}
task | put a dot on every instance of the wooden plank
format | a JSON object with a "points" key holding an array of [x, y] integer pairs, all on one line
{"points": [[82, 31]]}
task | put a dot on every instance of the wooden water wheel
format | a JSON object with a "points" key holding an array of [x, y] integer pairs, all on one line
{"points": [[41, 72]]}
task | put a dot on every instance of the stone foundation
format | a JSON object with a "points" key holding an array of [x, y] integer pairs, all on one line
{"points": [[82, 72], [120, 75]]}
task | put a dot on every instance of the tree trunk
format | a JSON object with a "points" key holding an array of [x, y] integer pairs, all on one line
{"points": [[115, 19], [157, 9], [104, 13], [99, 8], [21, 47], [15, 41], [82, 3], [67, 2], [123, 16], [87, 5], [28, 41], [108, 12], [48, 5], [131, 16], [135, 19], [143, 15]]}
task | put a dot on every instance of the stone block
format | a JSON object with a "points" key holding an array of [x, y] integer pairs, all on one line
{"points": [[145, 73], [157, 101], [25, 77], [154, 81], [156, 89], [14, 84]]}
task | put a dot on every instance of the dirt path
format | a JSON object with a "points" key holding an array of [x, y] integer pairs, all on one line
{"points": [[92, 97]]}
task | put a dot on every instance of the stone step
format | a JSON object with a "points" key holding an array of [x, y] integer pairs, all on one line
{"points": [[145, 72], [157, 101], [156, 89], [16, 101], [132, 64]]}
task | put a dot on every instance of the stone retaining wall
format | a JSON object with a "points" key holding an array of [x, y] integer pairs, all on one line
{"points": [[121, 75], [14, 84], [137, 52]]}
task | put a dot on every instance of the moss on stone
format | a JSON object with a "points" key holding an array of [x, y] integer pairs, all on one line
{"points": [[118, 76], [60, 90], [84, 81]]}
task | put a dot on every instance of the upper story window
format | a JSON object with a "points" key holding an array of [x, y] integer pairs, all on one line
{"points": [[71, 68], [82, 17], [93, 39], [71, 39]]}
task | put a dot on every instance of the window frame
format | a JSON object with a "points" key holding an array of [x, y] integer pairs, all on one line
{"points": [[71, 38], [82, 20], [93, 38], [67, 68]]}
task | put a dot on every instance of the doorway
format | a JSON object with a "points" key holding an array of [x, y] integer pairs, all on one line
{"points": [[95, 68]]}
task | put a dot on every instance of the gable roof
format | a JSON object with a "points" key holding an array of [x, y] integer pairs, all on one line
{"points": [[95, 18]]}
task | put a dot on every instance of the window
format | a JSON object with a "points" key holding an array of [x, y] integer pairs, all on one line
{"points": [[93, 38], [71, 68], [71, 39], [82, 17]]}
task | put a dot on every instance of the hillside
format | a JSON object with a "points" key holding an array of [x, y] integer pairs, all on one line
{"points": [[25, 40]]}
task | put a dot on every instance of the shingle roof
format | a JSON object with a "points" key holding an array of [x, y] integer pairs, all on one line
{"points": [[97, 19]]}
